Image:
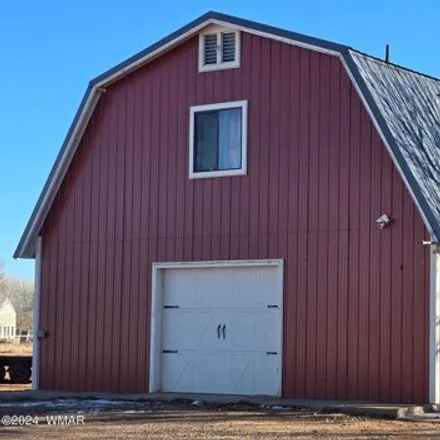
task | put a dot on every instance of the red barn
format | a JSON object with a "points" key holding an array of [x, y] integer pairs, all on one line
{"points": [[242, 209]]}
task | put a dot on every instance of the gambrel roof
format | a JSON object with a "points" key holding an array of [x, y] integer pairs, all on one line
{"points": [[408, 108], [403, 104]]}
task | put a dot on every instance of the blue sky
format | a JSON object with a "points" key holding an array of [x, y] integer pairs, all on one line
{"points": [[51, 49]]}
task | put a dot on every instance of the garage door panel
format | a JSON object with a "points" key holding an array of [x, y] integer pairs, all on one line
{"points": [[241, 332], [245, 302], [267, 373], [189, 288], [211, 373], [254, 373], [213, 288], [221, 373], [255, 330], [177, 372], [267, 331], [254, 287], [242, 377], [227, 287], [179, 287], [193, 372], [189, 329]]}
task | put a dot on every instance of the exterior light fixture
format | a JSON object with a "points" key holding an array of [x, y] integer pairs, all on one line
{"points": [[383, 221]]}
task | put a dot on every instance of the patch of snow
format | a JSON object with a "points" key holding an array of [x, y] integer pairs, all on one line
{"points": [[278, 407], [104, 402], [20, 403], [67, 403], [196, 403]]}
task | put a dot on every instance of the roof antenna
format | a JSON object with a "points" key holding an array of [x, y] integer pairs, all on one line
{"points": [[387, 53]]}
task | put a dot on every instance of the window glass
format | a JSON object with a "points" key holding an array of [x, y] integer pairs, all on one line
{"points": [[229, 152], [217, 140], [206, 145]]}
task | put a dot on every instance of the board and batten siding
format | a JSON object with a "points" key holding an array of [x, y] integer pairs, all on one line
{"points": [[355, 297]]}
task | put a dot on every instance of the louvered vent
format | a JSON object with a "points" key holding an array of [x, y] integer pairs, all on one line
{"points": [[228, 47], [210, 49], [219, 48]]}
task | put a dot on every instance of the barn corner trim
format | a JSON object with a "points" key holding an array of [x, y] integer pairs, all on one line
{"points": [[26, 247]]}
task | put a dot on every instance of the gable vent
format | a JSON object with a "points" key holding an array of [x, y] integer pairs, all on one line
{"points": [[210, 49], [228, 47], [219, 48]]}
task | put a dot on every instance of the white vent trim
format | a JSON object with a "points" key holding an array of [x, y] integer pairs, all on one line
{"points": [[218, 31]]}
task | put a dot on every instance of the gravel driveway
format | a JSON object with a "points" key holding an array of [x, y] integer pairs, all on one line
{"points": [[158, 420]]}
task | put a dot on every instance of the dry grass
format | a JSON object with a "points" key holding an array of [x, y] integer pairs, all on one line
{"points": [[12, 348], [8, 386], [202, 424]]}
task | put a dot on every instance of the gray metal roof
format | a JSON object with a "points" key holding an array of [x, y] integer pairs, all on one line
{"points": [[408, 107], [402, 103]]}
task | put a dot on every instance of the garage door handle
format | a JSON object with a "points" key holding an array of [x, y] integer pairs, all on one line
{"points": [[224, 331], [218, 331]]}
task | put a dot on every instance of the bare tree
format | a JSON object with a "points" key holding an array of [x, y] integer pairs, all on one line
{"points": [[21, 293], [2, 278]]}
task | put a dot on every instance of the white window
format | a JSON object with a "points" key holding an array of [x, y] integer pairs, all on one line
{"points": [[219, 48], [218, 140]]}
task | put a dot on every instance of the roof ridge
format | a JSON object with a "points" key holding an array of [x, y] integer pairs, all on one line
{"points": [[394, 65], [232, 19]]}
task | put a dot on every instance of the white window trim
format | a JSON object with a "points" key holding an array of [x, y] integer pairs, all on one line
{"points": [[219, 106], [219, 65]]}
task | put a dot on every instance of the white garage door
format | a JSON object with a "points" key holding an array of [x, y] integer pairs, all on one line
{"points": [[221, 330]]}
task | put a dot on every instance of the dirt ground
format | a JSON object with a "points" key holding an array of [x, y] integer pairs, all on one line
{"points": [[168, 421], [7, 385], [9, 348]]}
